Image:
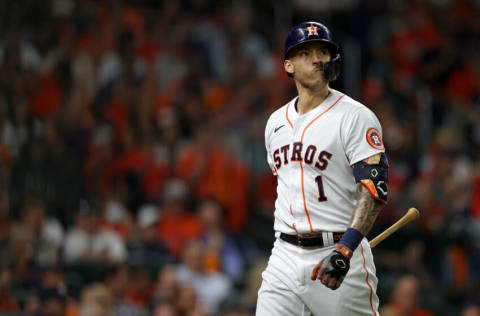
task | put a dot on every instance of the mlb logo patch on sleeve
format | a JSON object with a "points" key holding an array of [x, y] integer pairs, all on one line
{"points": [[374, 138]]}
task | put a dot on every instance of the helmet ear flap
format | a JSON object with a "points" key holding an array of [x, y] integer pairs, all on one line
{"points": [[332, 68]]}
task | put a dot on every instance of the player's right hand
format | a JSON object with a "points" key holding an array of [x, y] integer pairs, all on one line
{"points": [[332, 269]]}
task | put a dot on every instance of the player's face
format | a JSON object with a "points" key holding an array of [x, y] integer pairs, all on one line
{"points": [[306, 62]]}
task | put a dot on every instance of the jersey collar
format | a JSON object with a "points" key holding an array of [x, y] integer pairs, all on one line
{"points": [[292, 108]]}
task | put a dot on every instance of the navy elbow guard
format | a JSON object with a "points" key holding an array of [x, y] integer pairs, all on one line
{"points": [[374, 177]]}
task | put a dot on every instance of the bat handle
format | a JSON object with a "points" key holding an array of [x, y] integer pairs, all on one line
{"points": [[411, 215]]}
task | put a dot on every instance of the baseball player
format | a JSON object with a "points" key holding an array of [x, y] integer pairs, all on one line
{"points": [[327, 153]]}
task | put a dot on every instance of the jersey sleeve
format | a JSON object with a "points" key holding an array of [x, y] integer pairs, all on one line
{"points": [[362, 135], [267, 147]]}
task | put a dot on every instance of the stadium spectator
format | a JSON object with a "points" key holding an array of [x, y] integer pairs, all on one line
{"points": [[35, 243], [404, 299], [140, 288], [212, 171], [8, 304], [116, 279], [116, 218], [472, 308], [212, 287], [178, 225], [222, 252], [167, 284], [188, 302], [96, 300], [52, 302], [147, 248], [86, 242]]}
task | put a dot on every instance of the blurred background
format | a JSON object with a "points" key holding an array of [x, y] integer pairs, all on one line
{"points": [[133, 174]]}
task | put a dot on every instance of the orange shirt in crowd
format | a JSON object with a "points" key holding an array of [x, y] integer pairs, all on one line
{"points": [[140, 297], [461, 84], [223, 177], [8, 304], [46, 98], [177, 229]]}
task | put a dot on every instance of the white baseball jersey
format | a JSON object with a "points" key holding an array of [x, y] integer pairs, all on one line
{"points": [[312, 155]]}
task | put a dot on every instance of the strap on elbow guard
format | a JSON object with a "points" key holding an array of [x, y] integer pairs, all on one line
{"points": [[374, 177]]}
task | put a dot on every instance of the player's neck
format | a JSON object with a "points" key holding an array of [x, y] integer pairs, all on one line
{"points": [[309, 99]]}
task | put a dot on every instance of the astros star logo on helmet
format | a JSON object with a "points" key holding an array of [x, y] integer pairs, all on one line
{"points": [[312, 30]]}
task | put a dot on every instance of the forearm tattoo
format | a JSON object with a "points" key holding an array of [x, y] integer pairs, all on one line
{"points": [[365, 212]]}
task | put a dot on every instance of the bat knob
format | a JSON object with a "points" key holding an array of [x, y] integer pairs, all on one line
{"points": [[413, 214]]}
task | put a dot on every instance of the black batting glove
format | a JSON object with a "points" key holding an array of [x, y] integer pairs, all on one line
{"points": [[331, 271]]}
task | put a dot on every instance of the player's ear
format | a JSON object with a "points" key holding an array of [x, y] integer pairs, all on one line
{"points": [[288, 66]]}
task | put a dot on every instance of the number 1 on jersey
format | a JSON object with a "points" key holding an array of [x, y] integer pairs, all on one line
{"points": [[321, 192]]}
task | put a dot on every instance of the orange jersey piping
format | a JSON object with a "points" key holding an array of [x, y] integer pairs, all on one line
{"points": [[368, 283], [289, 122]]}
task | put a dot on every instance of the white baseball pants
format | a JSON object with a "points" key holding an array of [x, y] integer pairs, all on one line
{"points": [[287, 289]]}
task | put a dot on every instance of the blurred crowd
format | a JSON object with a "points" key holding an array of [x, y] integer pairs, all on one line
{"points": [[133, 175]]}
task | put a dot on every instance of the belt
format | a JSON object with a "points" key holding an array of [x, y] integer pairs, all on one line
{"points": [[316, 241]]}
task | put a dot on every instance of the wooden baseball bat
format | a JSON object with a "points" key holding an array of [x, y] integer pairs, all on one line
{"points": [[412, 215]]}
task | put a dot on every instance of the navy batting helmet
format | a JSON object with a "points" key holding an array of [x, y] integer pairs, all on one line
{"points": [[315, 32]]}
